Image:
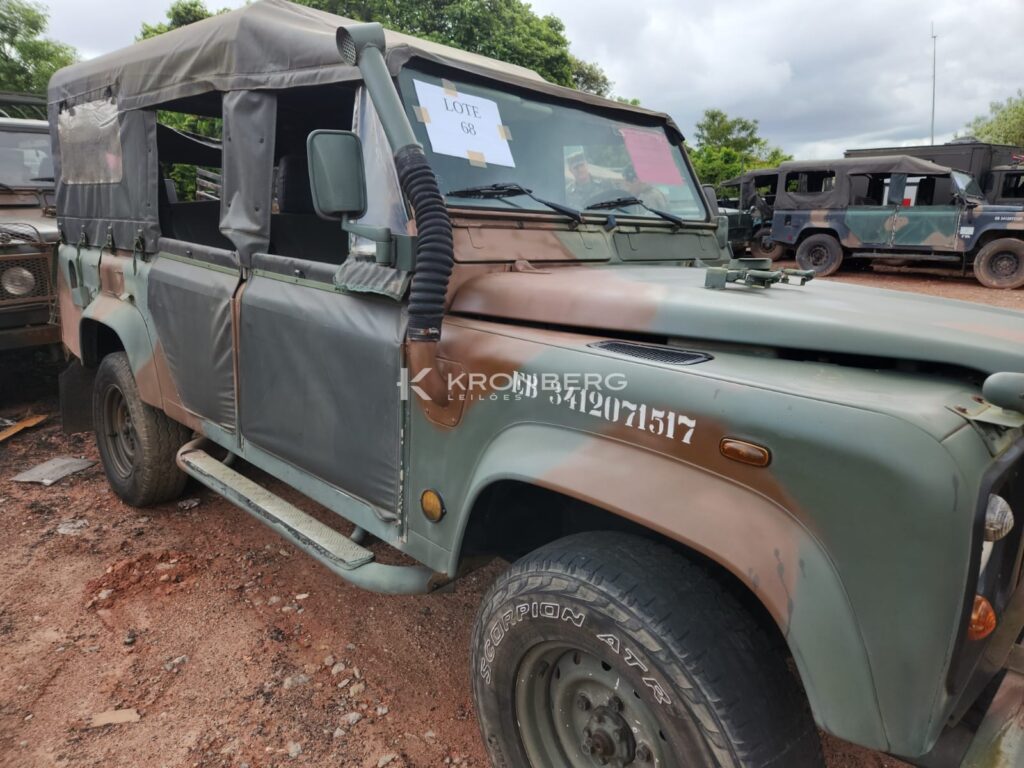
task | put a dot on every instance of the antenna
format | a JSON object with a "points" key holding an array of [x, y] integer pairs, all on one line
{"points": [[934, 45]]}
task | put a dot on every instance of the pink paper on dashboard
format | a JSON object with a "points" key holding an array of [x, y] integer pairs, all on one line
{"points": [[651, 156]]}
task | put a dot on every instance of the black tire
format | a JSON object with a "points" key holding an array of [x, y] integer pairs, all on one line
{"points": [[701, 684], [137, 443], [1000, 264], [758, 251], [822, 254]]}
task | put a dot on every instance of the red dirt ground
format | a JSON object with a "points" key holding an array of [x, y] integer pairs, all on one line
{"points": [[233, 647]]}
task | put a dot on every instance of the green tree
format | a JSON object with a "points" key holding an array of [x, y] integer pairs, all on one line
{"points": [[27, 59], [180, 14], [728, 146], [508, 30], [1004, 123]]}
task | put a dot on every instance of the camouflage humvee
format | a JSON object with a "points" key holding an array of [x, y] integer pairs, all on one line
{"points": [[28, 232], [734, 511], [896, 209]]}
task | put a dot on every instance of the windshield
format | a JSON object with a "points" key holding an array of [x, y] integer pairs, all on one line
{"points": [[967, 185], [475, 135], [25, 159]]}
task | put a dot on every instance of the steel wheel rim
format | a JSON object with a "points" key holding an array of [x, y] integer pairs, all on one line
{"points": [[576, 710], [1005, 265], [119, 434], [818, 256]]}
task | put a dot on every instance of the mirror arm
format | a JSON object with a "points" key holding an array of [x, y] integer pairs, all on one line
{"points": [[398, 251]]}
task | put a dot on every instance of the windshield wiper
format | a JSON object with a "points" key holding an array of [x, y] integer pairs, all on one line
{"points": [[626, 202], [502, 190]]}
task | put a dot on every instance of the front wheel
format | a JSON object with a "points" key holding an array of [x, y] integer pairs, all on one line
{"points": [[822, 254], [137, 443], [605, 650], [758, 249], [1000, 264]]}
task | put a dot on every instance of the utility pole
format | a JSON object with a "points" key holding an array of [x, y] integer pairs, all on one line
{"points": [[934, 38]]}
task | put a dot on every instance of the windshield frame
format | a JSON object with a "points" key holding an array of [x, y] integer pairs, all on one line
{"points": [[524, 208], [963, 187]]}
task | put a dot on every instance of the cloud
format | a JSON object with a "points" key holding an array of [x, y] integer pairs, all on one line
{"points": [[820, 77]]}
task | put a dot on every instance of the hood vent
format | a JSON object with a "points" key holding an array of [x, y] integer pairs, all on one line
{"points": [[652, 352]]}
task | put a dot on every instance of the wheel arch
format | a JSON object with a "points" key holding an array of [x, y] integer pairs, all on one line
{"points": [[807, 232], [780, 569], [111, 325]]}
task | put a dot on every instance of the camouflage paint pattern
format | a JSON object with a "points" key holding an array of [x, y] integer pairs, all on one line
{"points": [[856, 538], [939, 229]]}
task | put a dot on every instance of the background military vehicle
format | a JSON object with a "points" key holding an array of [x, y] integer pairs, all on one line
{"points": [[574, 399], [896, 208], [998, 168], [748, 200], [28, 232]]}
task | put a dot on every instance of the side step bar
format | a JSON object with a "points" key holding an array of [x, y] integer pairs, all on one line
{"points": [[340, 554]]}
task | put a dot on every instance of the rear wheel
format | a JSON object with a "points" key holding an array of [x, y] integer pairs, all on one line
{"points": [[1000, 264], [137, 443], [605, 650], [757, 249], [822, 254]]}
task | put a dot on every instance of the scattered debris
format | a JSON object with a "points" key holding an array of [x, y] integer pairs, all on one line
{"points": [[49, 472], [294, 749], [173, 664], [114, 717], [11, 428], [186, 504], [72, 527], [295, 681], [352, 718], [130, 637], [386, 760]]}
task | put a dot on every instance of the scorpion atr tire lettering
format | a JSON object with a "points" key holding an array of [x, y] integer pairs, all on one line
{"points": [[137, 443], [604, 649]]}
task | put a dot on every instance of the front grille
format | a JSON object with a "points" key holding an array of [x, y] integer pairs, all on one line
{"points": [[652, 352], [38, 265]]}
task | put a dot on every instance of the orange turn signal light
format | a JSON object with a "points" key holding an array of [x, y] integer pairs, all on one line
{"points": [[432, 505], [983, 619], [746, 453]]}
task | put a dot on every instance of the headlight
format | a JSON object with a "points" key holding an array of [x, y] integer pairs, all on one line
{"points": [[998, 518], [18, 281]]}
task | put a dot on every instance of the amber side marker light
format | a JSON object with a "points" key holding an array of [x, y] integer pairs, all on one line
{"points": [[745, 453], [432, 506], [983, 619]]}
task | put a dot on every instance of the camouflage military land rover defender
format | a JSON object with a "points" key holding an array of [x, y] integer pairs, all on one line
{"points": [[477, 315], [896, 208]]}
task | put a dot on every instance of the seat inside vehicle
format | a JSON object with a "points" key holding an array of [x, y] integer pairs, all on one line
{"points": [[296, 230]]}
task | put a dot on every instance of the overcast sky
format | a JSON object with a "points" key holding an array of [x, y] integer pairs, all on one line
{"points": [[820, 75]]}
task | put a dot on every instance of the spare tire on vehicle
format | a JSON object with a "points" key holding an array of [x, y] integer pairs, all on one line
{"points": [[822, 254], [1000, 264]]}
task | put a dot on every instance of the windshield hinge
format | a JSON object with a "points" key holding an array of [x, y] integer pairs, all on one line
{"points": [[756, 273]]}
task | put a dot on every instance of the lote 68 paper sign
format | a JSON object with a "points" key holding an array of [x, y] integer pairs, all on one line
{"points": [[463, 126]]}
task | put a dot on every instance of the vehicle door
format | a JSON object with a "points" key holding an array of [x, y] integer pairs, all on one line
{"points": [[192, 279], [320, 366], [869, 217], [928, 218]]}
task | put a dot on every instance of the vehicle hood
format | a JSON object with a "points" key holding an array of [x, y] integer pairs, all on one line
{"points": [[30, 216], [824, 315]]}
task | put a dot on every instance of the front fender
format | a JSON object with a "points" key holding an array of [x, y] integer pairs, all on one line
{"points": [[756, 538]]}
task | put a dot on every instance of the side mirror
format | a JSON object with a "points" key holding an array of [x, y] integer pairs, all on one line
{"points": [[1005, 390], [712, 198], [337, 177]]}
